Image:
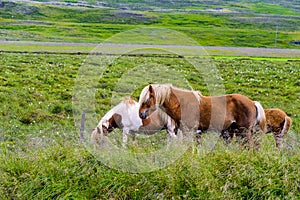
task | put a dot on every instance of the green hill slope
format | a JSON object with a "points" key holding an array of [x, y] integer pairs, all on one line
{"points": [[222, 23]]}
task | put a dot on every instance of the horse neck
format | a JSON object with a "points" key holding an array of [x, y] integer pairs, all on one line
{"points": [[183, 107], [196, 96], [171, 106]]}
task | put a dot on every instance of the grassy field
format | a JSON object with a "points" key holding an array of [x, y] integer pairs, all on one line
{"points": [[41, 156], [245, 25]]}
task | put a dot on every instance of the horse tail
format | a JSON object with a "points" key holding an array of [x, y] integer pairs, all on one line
{"points": [[261, 116], [286, 126]]}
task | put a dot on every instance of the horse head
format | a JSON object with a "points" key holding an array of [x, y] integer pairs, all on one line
{"points": [[147, 102], [98, 133], [102, 128]]}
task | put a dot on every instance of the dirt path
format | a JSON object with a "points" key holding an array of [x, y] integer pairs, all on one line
{"points": [[108, 48]]}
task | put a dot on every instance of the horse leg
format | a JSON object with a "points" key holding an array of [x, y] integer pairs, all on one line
{"points": [[198, 138], [279, 139], [170, 138], [256, 132], [171, 133], [244, 137], [227, 136], [125, 138], [133, 138], [278, 136], [228, 133]]}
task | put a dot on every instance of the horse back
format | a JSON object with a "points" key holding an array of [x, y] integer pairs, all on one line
{"points": [[183, 108], [219, 112]]}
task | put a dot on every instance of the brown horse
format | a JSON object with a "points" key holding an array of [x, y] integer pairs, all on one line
{"points": [[193, 111], [279, 124], [125, 116]]}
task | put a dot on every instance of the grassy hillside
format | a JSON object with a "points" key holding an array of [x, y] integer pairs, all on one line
{"points": [[252, 25], [268, 6], [41, 157]]}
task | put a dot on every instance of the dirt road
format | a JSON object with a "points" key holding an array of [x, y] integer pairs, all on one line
{"points": [[109, 48]]}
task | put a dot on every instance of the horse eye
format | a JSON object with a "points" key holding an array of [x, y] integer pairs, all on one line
{"points": [[147, 104]]}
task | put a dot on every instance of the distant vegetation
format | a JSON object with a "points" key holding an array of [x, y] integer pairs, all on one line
{"points": [[222, 23], [267, 6]]}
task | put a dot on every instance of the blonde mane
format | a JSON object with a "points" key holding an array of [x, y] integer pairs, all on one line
{"points": [[162, 93], [197, 95]]}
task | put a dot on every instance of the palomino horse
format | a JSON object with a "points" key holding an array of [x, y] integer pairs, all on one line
{"points": [[125, 116], [278, 123], [193, 111]]}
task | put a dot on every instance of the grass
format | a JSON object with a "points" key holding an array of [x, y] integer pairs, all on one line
{"points": [[41, 157], [287, 6], [69, 172], [251, 27], [46, 48]]}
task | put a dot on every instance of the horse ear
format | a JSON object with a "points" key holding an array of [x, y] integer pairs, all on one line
{"points": [[150, 88], [151, 91]]}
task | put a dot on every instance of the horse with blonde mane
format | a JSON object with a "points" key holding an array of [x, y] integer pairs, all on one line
{"points": [[279, 124], [193, 111], [125, 116]]}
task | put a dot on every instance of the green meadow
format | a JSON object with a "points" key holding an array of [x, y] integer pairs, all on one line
{"points": [[42, 158], [42, 92], [229, 24]]}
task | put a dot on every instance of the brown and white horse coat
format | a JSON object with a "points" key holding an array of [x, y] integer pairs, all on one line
{"points": [[279, 124], [193, 111], [125, 116]]}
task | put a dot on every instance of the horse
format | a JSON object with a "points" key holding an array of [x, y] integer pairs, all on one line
{"points": [[125, 116], [193, 111], [279, 124]]}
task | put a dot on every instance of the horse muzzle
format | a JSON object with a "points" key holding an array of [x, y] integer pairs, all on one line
{"points": [[143, 115]]}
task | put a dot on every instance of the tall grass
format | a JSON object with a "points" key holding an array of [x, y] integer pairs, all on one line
{"points": [[64, 169]]}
